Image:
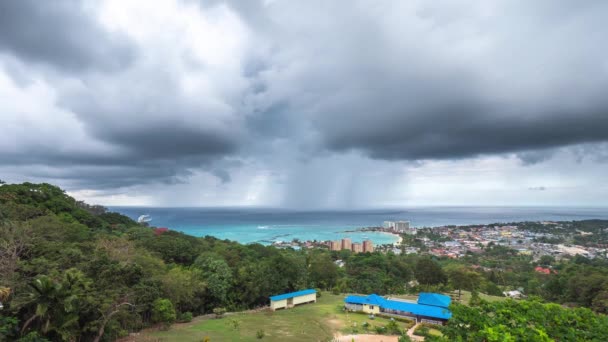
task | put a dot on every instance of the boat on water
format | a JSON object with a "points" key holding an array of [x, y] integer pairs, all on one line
{"points": [[144, 219]]}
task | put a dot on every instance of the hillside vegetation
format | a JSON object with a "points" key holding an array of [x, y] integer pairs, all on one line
{"points": [[70, 271]]}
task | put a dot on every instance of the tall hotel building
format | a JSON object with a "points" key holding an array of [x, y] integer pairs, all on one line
{"points": [[346, 243], [368, 246], [357, 247]]}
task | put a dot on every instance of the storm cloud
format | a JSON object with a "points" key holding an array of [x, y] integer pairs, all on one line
{"points": [[299, 103], [62, 34]]}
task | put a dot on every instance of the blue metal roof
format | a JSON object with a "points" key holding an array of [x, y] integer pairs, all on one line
{"points": [[434, 299], [293, 294], [372, 299], [413, 308], [418, 309]]}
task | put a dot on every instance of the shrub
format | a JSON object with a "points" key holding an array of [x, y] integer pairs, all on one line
{"points": [[163, 313], [393, 328], [260, 334], [335, 291], [235, 324], [423, 329], [318, 292], [219, 312], [365, 326], [380, 330], [185, 317]]}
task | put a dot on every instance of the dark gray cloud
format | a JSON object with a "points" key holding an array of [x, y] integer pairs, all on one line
{"points": [[409, 89], [289, 86], [62, 34]]}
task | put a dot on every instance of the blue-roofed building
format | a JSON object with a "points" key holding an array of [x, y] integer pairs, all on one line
{"points": [[430, 308], [434, 299], [289, 300]]}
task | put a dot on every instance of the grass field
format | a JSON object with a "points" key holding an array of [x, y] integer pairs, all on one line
{"points": [[309, 322]]}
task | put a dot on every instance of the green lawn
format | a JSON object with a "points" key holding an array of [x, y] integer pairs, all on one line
{"points": [[309, 322], [466, 296]]}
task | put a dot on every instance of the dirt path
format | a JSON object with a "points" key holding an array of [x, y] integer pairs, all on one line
{"points": [[413, 337], [366, 338]]}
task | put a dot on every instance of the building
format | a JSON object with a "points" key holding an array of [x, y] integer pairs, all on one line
{"points": [[402, 226], [346, 243], [289, 300], [388, 224], [335, 245], [357, 247], [513, 294], [430, 308], [368, 246]]}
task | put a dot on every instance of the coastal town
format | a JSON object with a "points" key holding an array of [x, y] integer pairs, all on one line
{"points": [[536, 239]]}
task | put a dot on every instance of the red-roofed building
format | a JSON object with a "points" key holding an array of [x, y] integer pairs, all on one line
{"points": [[160, 230], [542, 270]]}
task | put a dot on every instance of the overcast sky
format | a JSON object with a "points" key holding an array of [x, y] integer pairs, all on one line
{"points": [[307, 104]]}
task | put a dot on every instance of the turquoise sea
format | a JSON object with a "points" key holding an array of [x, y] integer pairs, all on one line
{"points": [[247, 225]]}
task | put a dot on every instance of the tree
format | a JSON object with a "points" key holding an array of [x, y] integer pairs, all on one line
{"points": [[462, 277], [546, 260], [322, 272], [429, 272], [217, 275], [56, 305], [163, 313], [184, 287], [113, 310]]}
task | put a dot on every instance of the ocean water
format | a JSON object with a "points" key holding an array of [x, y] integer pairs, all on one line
{"points": [[247, 225]]}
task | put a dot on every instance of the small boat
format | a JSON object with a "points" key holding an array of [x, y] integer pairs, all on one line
{"points": [[144, 219]]}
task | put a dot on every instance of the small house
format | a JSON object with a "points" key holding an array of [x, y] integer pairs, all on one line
{"points": [[289, 300]]}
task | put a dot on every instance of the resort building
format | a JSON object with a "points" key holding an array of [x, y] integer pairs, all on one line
{"points": [[346, 243], [357, 247], [399, 227], [402, 226], [368, 246], [430, 307], [335, 245], [289, 300], [388, 224]]}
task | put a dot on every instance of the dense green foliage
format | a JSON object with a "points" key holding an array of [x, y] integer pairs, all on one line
{"points": [[523, 321]]}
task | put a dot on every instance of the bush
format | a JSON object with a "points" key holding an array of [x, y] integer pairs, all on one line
{"points": [[424, 329], [219, 312], [365, 326], [393, 328], [318, 292], [163, 312], [260, 334], [380, 330], [335, 291], [185, 317]]}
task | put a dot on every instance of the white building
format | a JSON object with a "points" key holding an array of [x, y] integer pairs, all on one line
{"points": [[402, 226], [388, 224]]}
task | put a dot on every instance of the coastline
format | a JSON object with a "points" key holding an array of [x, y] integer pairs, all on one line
{"points": [[399, 239]]}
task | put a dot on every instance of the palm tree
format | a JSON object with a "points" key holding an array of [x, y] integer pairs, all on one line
{"points": [[56, 304], [44, 295]]}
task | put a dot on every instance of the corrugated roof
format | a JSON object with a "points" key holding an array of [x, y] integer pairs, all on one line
{"points": [[416, 309], [372, 299], [434, 299], [293, 294]]}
